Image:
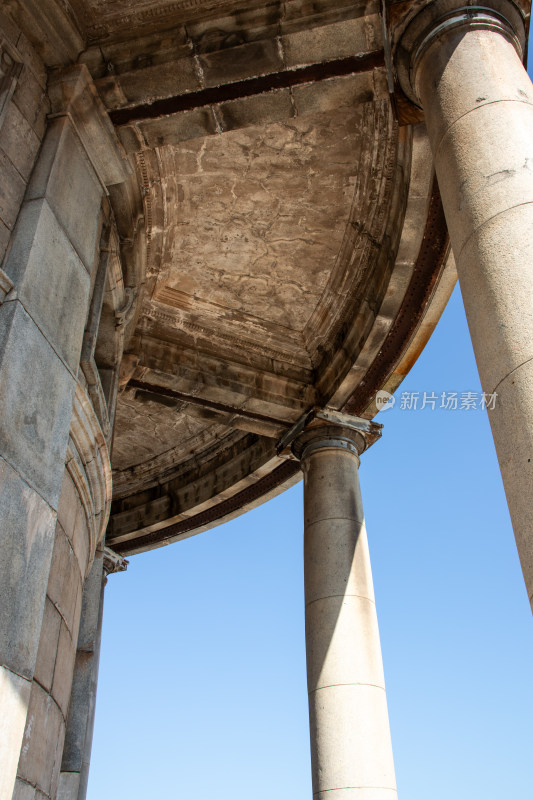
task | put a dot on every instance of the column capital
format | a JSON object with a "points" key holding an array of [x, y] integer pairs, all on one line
{"points": [[438, 18], [332, 429], [113, 562]]}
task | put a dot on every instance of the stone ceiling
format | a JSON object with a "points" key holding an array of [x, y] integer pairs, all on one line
{"points": [[290, 251]]}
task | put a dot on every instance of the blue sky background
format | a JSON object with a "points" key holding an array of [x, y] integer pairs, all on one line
{"points": [[202, 688]]}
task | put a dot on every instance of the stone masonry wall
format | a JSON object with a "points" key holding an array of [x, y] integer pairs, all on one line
{"points": [[42, 749], [23, 109]]}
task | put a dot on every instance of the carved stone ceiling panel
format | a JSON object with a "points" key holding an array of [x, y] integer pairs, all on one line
{"points": [[148, 429], [254, 221]]}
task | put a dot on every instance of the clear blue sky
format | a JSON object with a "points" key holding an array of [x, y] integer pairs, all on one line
{"points": [[202, 689]]}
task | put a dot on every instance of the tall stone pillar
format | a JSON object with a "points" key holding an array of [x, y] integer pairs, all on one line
{"points": [[74, 774], [48, 274], [463, 66], [351, 751]]}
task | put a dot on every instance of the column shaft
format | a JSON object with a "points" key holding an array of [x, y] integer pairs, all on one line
{"points": [[350, 740], [80, 719], [478, 103]]}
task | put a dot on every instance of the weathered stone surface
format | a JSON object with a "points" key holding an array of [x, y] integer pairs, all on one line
{"points": [[23, 791], [19, 141], [32, 101], [33, 434], [73, 94], [271, 216], [26, 538], [43, 737], [339, 40], [240, 62], [333, 94], [73, 194], [81, 541], [64, 583], [66, 653], [14, 700], [5, 233], [69, 506], [69, 785], [11, 191], [51, 280], [260, 109], [48, 643], [179, 127]]}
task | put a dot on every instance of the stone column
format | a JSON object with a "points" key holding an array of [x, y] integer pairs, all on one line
{"points": [[46, 285], [463, 65], [74, 774], [351, 750]]}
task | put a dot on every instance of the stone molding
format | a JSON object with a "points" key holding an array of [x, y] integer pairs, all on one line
{"points": [[89, 466], [438, 18], [72, 93]]}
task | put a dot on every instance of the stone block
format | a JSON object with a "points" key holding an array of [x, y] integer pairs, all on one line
{"points": [[26, 542], [5, 233], [257, 110], [44, 727], [158, 80], [50, 279], [81, 702], [64, 583], [19, 141], [92, 597], [48, 643], [10, 31], [73, 93], [31, 59], [238, 63], [56, 768], [342, 641], [333, 94], [356, 715], [479, 182], [36, 394], [68, 786], [14, 700], [66, 653], [337, 560], [23, 791], [339, 40], [80, 541], [332, 491], [179, 127], [12, 188], [69, 505], [31, 100], [66, 178], [130, 138]]}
